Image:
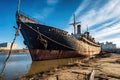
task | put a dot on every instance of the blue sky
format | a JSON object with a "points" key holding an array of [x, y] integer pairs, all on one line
{"points": [[101, 16]]}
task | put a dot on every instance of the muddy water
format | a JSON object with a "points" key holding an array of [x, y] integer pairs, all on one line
{"points": [[21, 64], [39, 66]]}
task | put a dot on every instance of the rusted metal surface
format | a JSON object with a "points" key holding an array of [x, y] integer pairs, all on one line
{"points": [[56, 54], [46, 42]]}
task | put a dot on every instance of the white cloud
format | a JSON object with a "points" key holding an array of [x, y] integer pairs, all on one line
{"points": [[107, 31], [110, 10], [102, 26], [93, 17], [111, 31], [46, 10], [79, 9], [52, 2]]}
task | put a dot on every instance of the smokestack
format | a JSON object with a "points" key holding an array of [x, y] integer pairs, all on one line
{"points": [[79, 29]]}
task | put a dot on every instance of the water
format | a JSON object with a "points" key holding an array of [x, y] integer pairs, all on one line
{"points": [[17, 66], [21, 64]]}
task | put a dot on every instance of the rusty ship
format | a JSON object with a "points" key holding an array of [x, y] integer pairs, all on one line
{"points": [[46, 42]]}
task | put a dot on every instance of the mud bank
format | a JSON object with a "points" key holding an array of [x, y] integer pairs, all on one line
{"points": [[105, 67]]}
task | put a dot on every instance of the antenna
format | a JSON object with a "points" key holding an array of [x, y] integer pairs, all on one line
{"points": [[18, 8], [87, 28], [74, 24]]}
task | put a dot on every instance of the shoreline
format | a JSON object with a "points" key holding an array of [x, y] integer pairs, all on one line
{"points": [[15, 51], [104, 66]]}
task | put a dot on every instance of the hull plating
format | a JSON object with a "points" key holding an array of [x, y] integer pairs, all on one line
{"points": [[55, 54], [45, 42]]}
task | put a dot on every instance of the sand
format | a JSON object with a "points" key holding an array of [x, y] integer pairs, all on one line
{"points": [[105, 67]]}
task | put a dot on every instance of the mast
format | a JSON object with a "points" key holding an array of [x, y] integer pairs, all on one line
{"points": [[18, 7], [87, 28], [74, 24], [87, 32]]}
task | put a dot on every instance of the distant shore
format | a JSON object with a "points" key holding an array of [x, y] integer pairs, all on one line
{"points": [[15, 51], [105, 66]]}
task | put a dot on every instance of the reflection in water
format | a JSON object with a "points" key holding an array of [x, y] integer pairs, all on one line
{"points": [[18, 65], [21, 64], [16, 69], [39, 66]]}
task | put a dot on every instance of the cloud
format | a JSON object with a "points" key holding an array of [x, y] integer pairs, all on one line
{"points": [[109, 34], [52, 2], [93, 17], [46, 11], [106, 18], [79, 9], [108, 31], [106, 24]]}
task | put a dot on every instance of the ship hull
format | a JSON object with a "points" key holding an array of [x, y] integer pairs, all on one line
{"points": [[46, 42], [56, 54], [52, 54]]}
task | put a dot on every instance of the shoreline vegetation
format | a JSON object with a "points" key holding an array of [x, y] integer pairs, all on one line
{"points": [[15, 51], [102, 67]]}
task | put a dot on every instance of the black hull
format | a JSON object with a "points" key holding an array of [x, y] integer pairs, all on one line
{"points": [[45, 42], [54, 40]]}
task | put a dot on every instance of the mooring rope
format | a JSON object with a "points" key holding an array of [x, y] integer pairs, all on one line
{"points": [[10, 51]]}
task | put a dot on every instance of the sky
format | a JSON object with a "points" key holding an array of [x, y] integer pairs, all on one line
{"points": [[102, 17]]}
